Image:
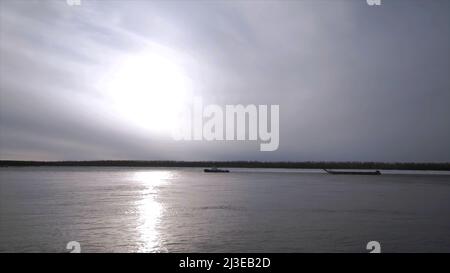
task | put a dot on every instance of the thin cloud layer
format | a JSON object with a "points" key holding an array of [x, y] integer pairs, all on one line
{"points": [[353, 82]]}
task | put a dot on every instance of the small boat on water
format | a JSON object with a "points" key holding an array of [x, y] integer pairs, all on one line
{"points": [[377, 172], [215, 170]]}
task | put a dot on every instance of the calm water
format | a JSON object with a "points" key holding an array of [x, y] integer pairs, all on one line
{"points": [[174, 210]]}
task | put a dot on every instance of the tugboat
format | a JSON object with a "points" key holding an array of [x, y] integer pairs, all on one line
{"points": [[215, 170], [354, 172]]}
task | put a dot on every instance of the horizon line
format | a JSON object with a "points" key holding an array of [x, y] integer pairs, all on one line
{"points": [[431, 166]]}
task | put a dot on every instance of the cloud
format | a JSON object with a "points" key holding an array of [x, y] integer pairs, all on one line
{"points": [[353, 82]]}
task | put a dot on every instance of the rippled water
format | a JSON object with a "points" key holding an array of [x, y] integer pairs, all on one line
{"points": [[184, 209]]}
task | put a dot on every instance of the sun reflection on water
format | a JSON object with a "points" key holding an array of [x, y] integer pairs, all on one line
{"points": [[150, 209]]}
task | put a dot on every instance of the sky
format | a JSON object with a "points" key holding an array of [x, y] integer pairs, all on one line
{"points": [[101, 80]]}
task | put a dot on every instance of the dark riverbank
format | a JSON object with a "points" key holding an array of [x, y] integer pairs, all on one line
{"points": [[235, 164]]}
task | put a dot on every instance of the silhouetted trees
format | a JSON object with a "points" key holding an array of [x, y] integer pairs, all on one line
{"points": [[237, 164]]}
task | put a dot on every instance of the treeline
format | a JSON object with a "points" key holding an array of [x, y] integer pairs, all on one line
{"points": [[236, 164]]}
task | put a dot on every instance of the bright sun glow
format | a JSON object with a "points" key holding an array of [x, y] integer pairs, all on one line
{"points": [[148, 90]]}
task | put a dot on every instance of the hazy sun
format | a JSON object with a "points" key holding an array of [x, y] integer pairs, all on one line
{"points": [[148, 89]]}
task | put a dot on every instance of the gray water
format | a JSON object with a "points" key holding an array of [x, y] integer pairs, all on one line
{"points": [[186, 210]]}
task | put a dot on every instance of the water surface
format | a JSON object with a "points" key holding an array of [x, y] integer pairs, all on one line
{"points": [[247, 210]]}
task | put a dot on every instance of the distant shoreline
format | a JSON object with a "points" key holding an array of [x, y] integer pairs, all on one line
{"points": [[233, 164]]}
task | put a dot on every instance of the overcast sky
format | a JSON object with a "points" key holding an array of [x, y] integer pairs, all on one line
{"points": [[354, 82]]}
